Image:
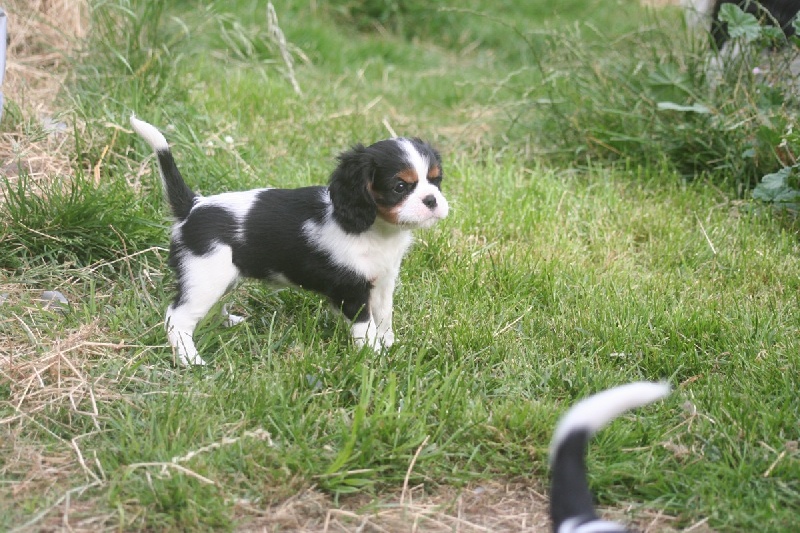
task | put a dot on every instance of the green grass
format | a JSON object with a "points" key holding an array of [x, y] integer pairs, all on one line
{"points": [[544, 285]]}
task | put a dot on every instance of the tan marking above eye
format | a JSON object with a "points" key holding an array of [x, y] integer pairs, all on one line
{"points": [[408, 175], [434, 172]]}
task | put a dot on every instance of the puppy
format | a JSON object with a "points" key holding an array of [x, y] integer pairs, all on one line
{"points": [[571, 507], [345, 241]]}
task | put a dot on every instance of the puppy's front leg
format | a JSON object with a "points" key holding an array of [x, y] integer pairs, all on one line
{"points": [[179, 333], [365, 333], [229, 318], [364, 329], [381, 306]]}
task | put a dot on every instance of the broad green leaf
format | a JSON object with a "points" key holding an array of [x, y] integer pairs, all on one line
{"points": [[740, 24], [775, 187]]}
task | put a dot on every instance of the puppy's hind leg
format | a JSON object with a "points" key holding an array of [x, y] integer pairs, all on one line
{"points": [[180, 324], [362, 326], [203, 281], [231, 319]]}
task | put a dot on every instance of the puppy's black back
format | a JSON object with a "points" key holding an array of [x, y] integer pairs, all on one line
{"points": [[273, 242], [273, 232]]}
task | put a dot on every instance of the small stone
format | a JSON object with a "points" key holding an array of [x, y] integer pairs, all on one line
{"points": [[52, 125], [314, 382], [54, 300]]}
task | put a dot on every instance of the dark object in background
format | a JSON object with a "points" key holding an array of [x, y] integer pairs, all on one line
{"points": [[779, 13]]}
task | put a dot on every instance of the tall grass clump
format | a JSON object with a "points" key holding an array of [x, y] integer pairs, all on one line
{"points": [[659, 95], [70, 220], [132, 53], [81, 211]]}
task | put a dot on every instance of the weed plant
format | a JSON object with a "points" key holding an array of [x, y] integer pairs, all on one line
{"points": [[659, 94]]}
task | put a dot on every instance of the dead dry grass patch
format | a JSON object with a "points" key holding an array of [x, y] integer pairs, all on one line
{"points": [[51, 393], [519, 506], [51, 384], [43, 35], [61, 374]]}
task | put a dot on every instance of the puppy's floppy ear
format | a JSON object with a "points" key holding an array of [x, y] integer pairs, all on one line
{"points": [[354, 207]]}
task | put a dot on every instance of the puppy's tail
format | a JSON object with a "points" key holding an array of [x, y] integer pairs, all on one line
{"points": [[571, 504], [179, 195]]}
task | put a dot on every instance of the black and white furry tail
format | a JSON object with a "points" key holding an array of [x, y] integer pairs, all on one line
{"points": [[180, 197], [571, 507]]}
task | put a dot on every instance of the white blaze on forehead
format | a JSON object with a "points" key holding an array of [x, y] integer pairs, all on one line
{"points": [[418, 162], [416, 209]]}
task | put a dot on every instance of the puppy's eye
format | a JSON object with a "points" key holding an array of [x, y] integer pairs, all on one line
{"points": [[400, 187], [436, 181]]}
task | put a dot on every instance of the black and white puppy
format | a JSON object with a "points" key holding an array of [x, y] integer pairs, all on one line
{"points": [[345, 240], [571, 507]]}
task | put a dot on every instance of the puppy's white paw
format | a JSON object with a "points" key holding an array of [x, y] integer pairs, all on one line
{"points": [[366, 334], [231, 319], [388, 339], [184, 346], [360, 342], [190, 359]]}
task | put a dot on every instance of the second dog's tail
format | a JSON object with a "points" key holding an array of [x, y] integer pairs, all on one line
{"points": [[571, 507], [180, 197]]}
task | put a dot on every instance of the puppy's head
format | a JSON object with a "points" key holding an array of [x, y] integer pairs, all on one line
{"points": [[397, 180]]}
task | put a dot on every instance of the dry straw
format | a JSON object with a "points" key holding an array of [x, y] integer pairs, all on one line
{"points": [[43, 34], [41, 377]]}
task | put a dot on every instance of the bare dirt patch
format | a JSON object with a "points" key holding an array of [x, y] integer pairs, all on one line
{"points": [[519, 506]]}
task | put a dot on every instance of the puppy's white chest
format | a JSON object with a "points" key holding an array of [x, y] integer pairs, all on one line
{"points": [[375, 254]]}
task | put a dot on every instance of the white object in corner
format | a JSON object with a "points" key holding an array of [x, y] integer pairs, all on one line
{"points": [[2, 56]]}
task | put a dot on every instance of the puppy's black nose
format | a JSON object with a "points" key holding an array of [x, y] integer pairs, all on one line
{"points": [[429, 201]]}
